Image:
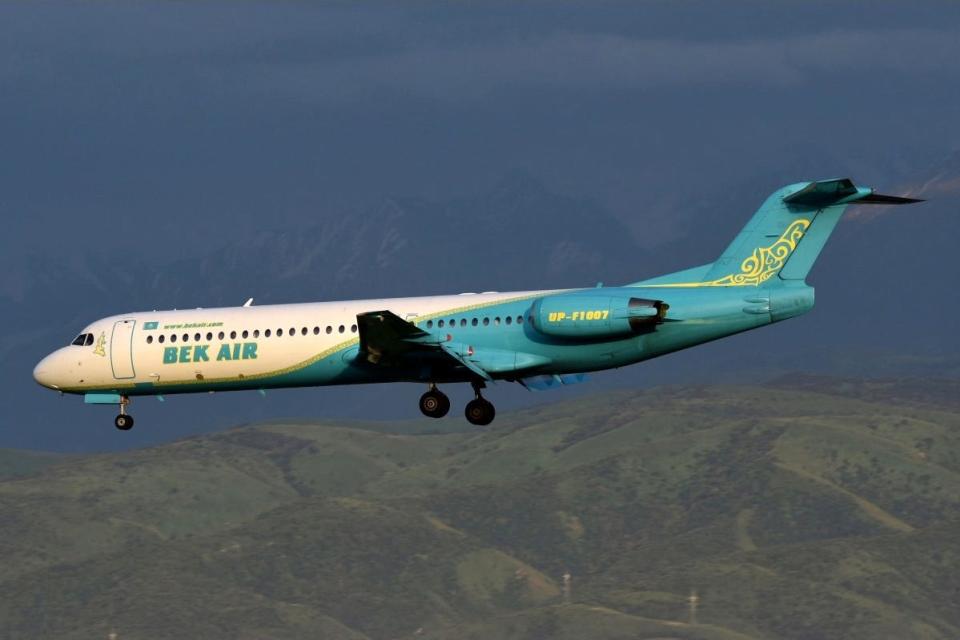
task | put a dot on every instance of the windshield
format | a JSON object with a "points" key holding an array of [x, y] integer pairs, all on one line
{"points": [[83, 339]]}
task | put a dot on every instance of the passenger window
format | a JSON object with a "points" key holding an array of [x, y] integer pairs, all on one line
{"points": [[209, 336], [266, 334], [486, 322], [279, 332], [341, 329], [519, 319], [186, 337], [440, 324], [303, 331], [293, 332], [496, 321], [353, 328], [508, 320], [161, 339], [196, 337], [429, 324], [220, 335], [463, 322], [149, 339], [316, 331], [329, 329], [173, 338], [233, 335], [474, 322], [453, 322]]}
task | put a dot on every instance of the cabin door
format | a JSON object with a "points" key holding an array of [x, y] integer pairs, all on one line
{"points": [[121, 349]]}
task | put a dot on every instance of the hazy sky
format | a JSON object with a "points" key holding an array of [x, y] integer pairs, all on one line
{"points": [[202, 121], [167, 130]]}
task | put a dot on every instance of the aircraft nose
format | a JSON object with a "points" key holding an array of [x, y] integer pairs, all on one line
{"points": [[43, 373]]}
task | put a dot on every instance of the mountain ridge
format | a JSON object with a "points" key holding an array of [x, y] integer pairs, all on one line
{"points": [[835, 502]]}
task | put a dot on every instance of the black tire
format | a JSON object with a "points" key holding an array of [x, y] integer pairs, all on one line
{"points": [[124, 422], [480, 412], [434, 404]]}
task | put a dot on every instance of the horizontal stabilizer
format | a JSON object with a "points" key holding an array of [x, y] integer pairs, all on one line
{"points": [[877, 198], [822, 193]]}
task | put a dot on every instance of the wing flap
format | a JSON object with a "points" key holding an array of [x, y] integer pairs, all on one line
{"points": [[451, 351], [545, 382]]}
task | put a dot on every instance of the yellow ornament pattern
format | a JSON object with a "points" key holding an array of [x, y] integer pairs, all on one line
{"points": [[99, 350], [761, 265]]}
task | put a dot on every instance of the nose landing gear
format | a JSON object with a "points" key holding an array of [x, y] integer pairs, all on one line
{"points": [[434, 403], [124, 421]]}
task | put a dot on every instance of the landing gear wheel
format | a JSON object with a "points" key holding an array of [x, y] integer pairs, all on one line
{"points": [[480, 412], [434, 404], [123, 422]]}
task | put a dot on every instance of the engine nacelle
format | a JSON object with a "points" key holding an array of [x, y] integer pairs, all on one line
{"points": [[596, 317]]}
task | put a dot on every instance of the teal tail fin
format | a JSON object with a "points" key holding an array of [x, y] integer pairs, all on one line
{"points": [[783, 238]]}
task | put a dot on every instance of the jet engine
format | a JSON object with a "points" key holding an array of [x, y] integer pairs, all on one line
{"points": [[596, 317]]}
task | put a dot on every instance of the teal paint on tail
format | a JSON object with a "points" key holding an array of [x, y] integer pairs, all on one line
{"points": [[787, 233], [782, 240]]}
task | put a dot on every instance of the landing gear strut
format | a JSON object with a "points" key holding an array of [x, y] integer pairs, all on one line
{"points": [[124, 421], [434, 403], [479, 411]]}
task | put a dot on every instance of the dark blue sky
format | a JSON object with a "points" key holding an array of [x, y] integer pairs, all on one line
{"points": [[174, 154], [200, 121]]}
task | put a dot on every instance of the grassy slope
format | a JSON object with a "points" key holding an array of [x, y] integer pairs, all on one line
{"points": [[804, 509], [15, 463]]}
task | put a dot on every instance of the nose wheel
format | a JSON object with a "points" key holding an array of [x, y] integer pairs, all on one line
{"points": [[479, 411], [124, 421], [434, 403]]}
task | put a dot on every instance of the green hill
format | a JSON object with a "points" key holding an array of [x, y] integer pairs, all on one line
{"points": [[806, 508]]}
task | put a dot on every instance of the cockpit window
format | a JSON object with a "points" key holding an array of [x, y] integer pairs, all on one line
{"points": [[89, 341], [80, 339]]}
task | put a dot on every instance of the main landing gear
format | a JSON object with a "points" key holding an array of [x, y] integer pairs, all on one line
{"points": [[479, 411], [435, 404], [124, 421]]}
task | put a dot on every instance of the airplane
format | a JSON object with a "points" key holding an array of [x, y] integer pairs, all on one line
{"points": [[539, 339]]}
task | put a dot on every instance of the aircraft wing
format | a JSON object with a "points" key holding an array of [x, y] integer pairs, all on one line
{"points": [[385, 336], [387, 339]]}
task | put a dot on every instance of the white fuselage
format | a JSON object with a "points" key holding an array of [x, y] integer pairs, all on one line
{"points": [[198, 347]]}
